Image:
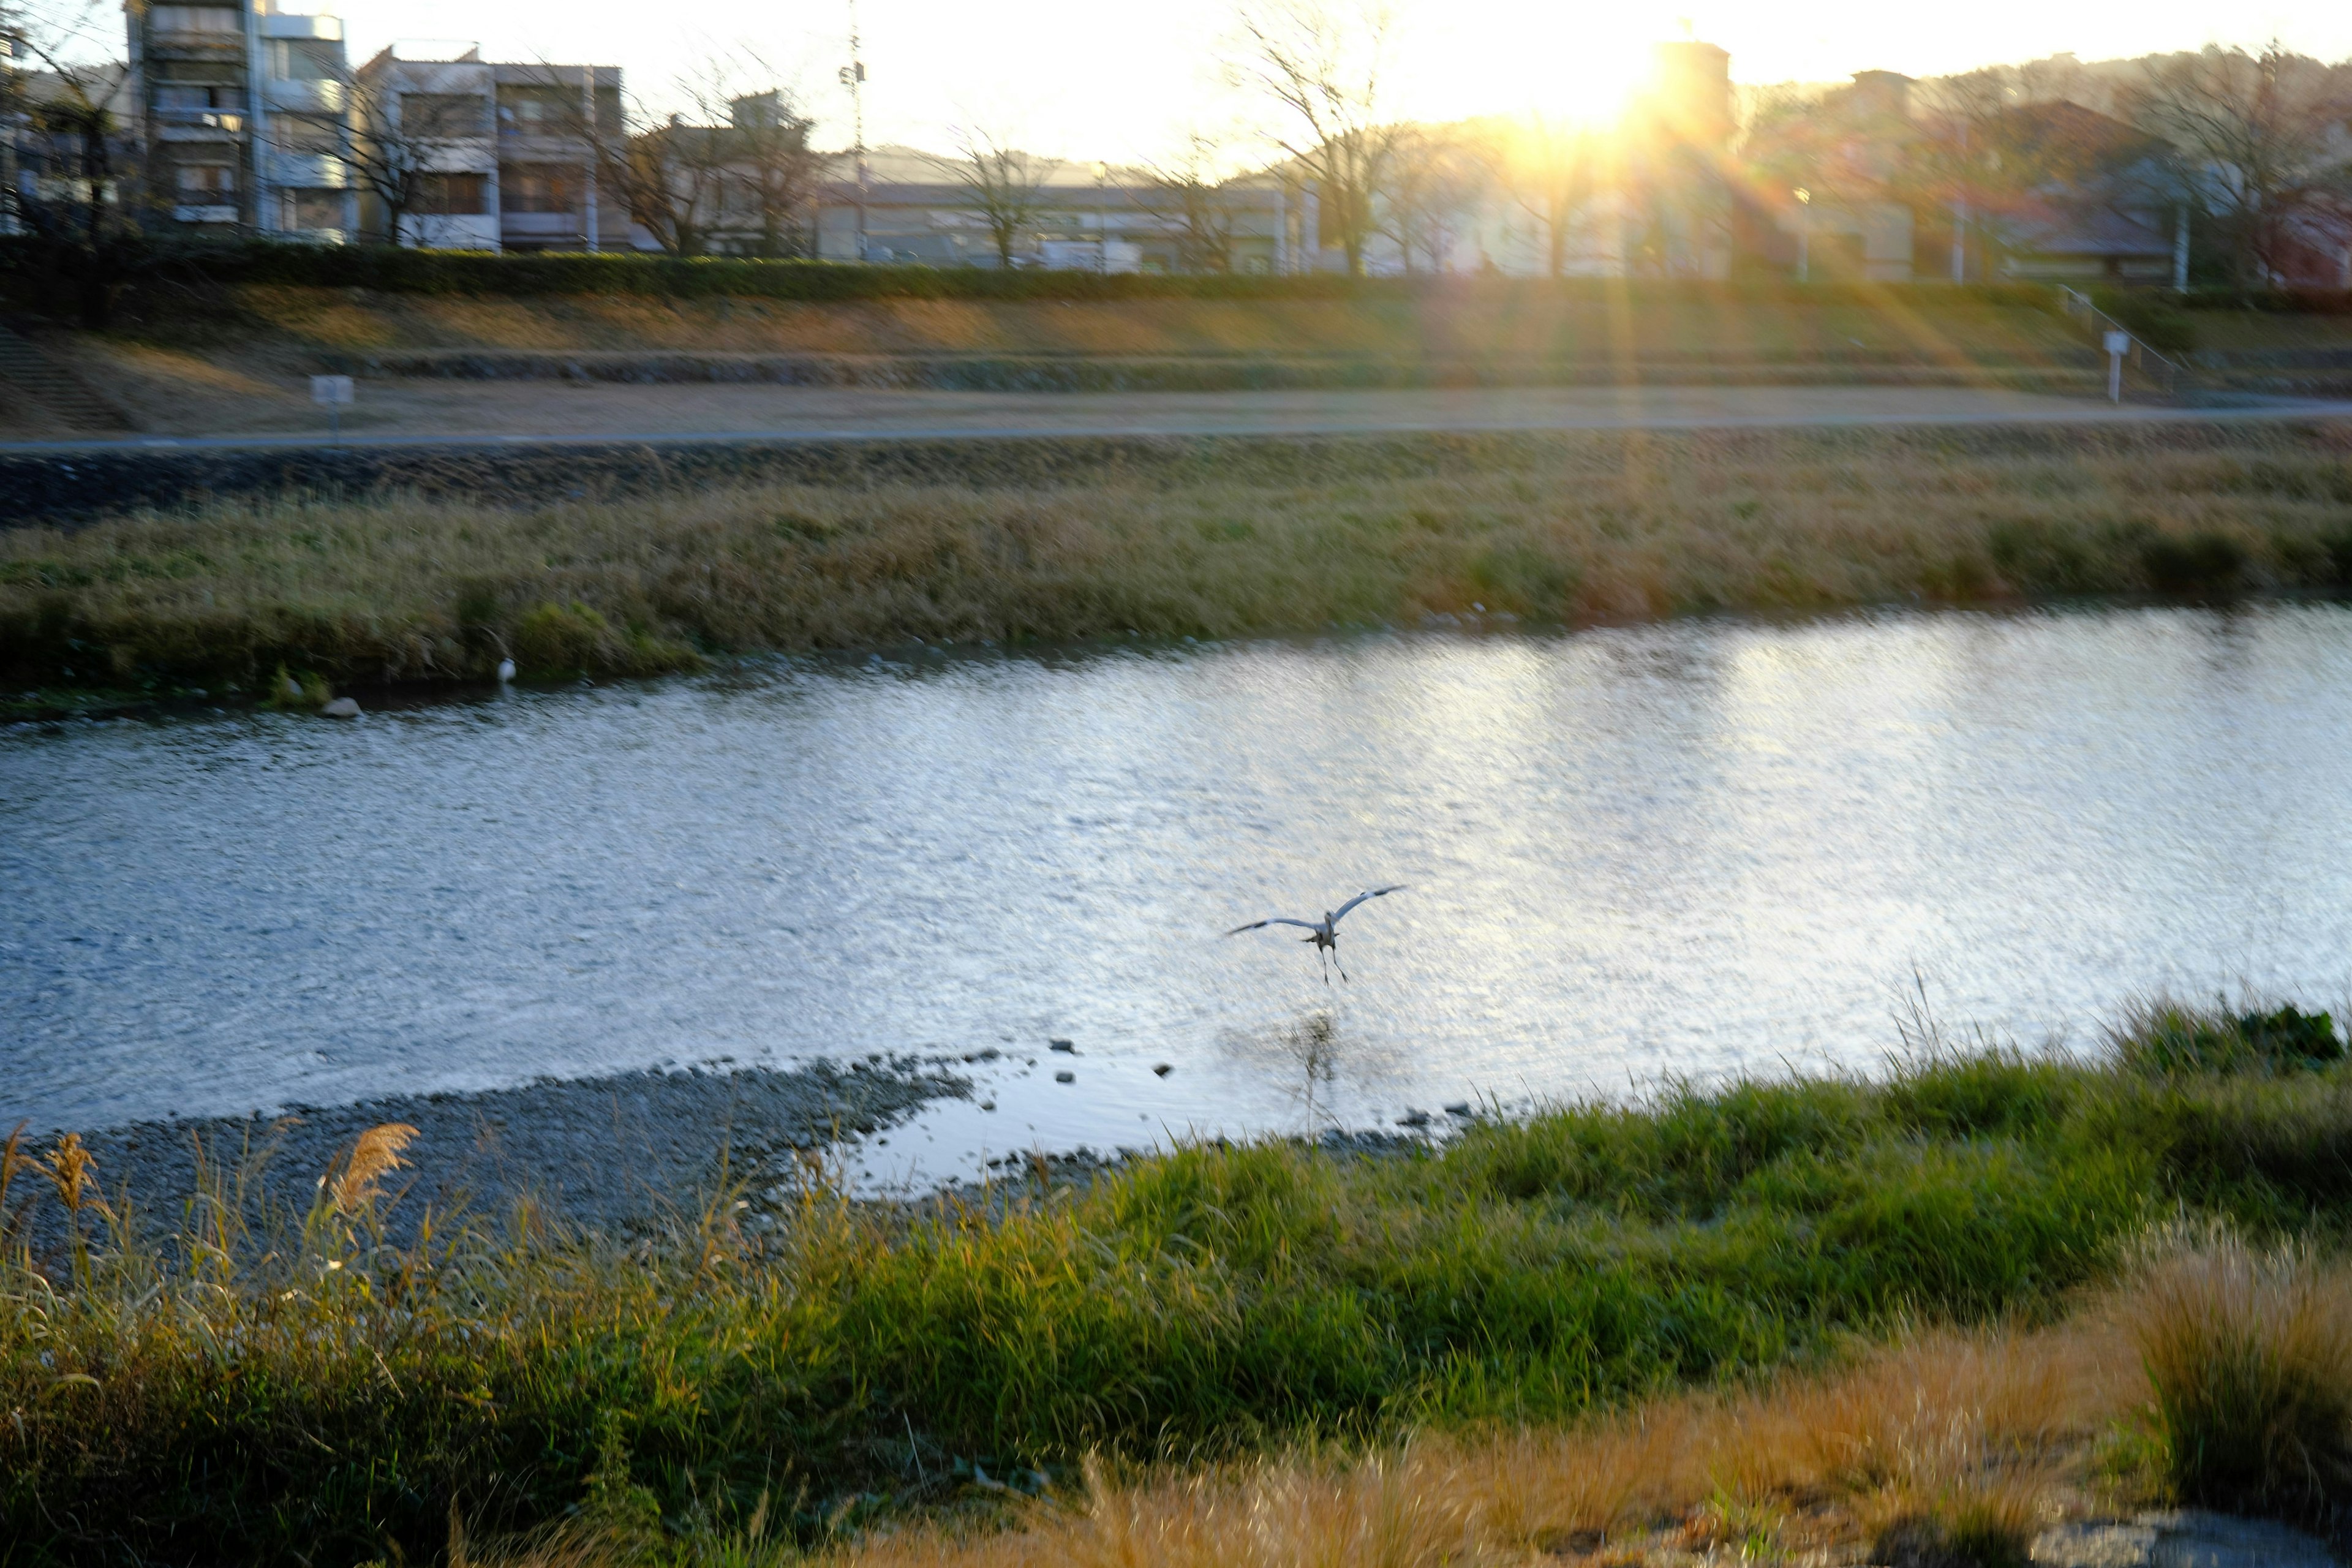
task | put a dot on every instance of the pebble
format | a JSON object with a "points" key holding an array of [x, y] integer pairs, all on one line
{"points": [[1460, 1107], [1163, 1070], [1065, 1076], [1068, 1047], [340, 708], [1415, 1118]]}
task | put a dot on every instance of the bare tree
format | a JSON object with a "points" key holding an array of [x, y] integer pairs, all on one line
{"points": [[664, 172], [1435, 179], [1005, 183], [1552, 169], [1321, 61], [769, 156], [77, 203], [1957, 163], [1194, 200], [399, 142], [2266, 137]]}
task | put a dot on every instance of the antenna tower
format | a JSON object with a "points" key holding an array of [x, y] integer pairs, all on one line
{"points": [[853, 76]]}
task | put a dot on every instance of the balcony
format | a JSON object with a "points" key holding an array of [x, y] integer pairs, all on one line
{"points": [[197, 124], [306, 171], [307, 96], [326, 29], [205, 213], [191, 46]]}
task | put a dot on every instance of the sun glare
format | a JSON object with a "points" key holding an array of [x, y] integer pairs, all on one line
{"points": [[1520, 57]]}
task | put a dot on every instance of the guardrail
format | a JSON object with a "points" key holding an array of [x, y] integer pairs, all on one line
{"points": [[2151, 365]]}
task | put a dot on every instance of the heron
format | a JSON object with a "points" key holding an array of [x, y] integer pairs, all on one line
{"points": [[1323, 933]]}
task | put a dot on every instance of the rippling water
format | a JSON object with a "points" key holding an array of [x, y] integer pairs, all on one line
{"points": [[1679, 849]]}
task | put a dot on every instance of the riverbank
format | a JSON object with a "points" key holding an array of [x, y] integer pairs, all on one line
{"points": [[1058, 542], [311, 1391]]}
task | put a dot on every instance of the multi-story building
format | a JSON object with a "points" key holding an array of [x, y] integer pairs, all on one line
{"points": [[503, 155], [243, 113]]}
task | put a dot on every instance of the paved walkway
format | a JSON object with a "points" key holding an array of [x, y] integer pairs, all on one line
{"points": [[2190, 1538], [407, 414]]}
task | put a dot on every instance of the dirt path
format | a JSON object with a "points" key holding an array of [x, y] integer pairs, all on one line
{"points": [[405, 412]]}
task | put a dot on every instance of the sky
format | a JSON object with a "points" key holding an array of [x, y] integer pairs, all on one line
{"points": [[1097, 79]]}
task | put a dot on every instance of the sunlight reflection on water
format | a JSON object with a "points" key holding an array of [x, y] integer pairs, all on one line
{"points": [[1698, 847]]}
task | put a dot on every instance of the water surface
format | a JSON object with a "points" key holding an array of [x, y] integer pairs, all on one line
{"points": [[1693, 849]]}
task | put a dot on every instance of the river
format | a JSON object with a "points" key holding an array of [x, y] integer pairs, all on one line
{"points": [[1630, 854]]}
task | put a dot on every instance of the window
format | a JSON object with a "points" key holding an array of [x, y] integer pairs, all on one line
{"points": [[204, 185], [537, 188], [451, 195], [215, 20], [304, 59], [189, 95], [313, 209], [540, 111], [299, 134], [431, 115]]}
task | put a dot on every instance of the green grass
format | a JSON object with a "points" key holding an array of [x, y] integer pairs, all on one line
{"points": [[298, 1394], [1067, 541]]}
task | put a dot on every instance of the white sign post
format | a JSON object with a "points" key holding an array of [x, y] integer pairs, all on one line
{"points": [[333, 391], [2118, 345]]}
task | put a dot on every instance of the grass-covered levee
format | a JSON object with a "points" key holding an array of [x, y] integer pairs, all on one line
{"points": [[223, 1377], [1050, 541]]}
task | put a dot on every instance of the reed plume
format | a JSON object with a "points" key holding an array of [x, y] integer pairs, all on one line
{"points": [[72, 1169], [355, 1185]]}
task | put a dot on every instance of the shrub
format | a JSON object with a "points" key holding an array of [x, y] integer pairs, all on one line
{"points": [[307, 692], [399, 269], [2249, 1363], [2164, 1038], [552, 642]]}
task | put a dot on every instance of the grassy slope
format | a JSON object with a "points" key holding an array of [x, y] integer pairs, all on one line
{"points": [[308, 1397], [246, 348], [1576, 324], [1215, 540]]}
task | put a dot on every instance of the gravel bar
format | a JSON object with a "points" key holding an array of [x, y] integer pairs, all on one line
{"points": [[614, 1154]]}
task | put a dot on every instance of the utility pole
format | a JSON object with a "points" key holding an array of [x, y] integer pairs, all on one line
{"points": [[588, 120], [1960, 210], [853, 76]]}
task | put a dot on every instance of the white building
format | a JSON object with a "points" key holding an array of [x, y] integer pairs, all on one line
{"points": [[243, 113], [502, 159]]}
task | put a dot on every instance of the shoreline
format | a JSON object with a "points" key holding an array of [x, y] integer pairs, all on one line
{"points": [[621, 1152]]}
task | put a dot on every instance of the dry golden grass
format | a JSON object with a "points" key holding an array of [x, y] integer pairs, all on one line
{"points": [[1209, 541], [1980, 1438], [1475, 325], [2249, 1354]]}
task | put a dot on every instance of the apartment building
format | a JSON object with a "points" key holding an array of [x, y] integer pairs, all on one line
{"points": [[501, 155], [243, 113]]}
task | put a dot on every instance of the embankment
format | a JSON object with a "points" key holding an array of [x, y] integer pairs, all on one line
{"points": [[370, 567]]}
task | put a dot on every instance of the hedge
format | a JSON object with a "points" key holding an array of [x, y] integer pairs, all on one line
{"points": [[392, 270]]}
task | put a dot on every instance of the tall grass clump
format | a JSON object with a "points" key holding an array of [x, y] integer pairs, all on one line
{"points": [[256, 1372], [2248, 1352]]}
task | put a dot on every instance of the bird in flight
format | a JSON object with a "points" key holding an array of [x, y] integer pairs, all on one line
{"points": [[1323, 933]]}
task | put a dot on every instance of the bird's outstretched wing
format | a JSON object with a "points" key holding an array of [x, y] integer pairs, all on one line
{"points": [[1360, 897], [1276, 920]]}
